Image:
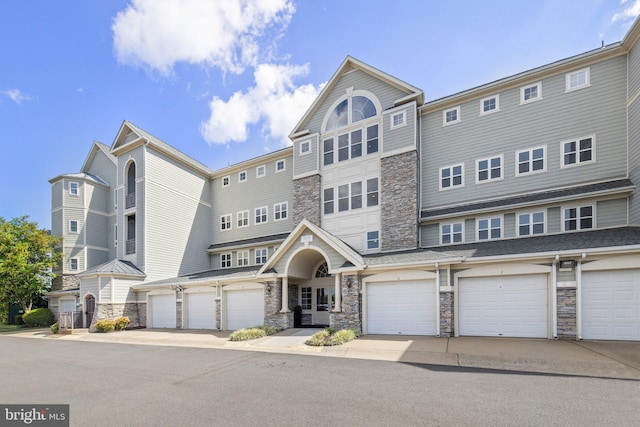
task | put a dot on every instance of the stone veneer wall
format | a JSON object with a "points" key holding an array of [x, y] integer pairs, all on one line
{"points": [[566, 299], [273, 305], [446, 315], [136, 312], [179, 304], [399, 201], [350, 316], [65, 282], [307, 199], [218, 313]]}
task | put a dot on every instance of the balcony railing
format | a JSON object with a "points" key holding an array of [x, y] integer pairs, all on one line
{"points": [[130, 201], [131, 247]]}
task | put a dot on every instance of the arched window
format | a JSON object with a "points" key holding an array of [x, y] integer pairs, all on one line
{"points": [[323, 270], [131, 186], [351, 110]]}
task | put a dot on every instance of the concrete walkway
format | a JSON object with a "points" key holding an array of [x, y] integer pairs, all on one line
{"points": [[608, 359]]}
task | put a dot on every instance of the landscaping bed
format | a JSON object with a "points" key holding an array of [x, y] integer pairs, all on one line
{"points": [[331, 337]]}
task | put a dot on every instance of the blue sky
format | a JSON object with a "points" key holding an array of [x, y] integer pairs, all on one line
{"points": [[226, 80]]}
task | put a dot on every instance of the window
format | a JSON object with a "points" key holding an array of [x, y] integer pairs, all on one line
{"points": [[225, 222], [280, 165], [73, 188], [323, 270], [343, 198], [243, 219], [372, 139], [305, 301], [280, 211], [328, 201], [74, 264], [451, 116], [531, 223], [398, 120], [489, 228], [305, 148], [451, 176], [577, 80], [351, 110], [242, 176], [73, 226], [261, 171], [115, 234], [489, 169], [226, 181], [529, 161], [373, 239], [531, 93], [225, 260], [372, 192], [451, 233], [489, 105], [243, 258], [261, 255], [261, 215], [328, 151], [578, 151], [578, 218]]}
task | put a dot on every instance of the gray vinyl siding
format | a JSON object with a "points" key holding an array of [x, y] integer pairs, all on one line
{"points": [[97, 229], [177, 218], [634, 159], [74, 252], [403, 137], [358, 80], [249, 195], [95, 257], [509, 226], [73, 201], [56, 194], [104, 284], [430, 235], [554, 220], [97, 198], [596, 110], [73, 215], [469, 230], [56, 223], [89, 286], [634, 70], [611, 213], [307, 163], [103, 168]]}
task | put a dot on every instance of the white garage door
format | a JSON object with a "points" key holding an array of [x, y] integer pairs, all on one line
{"points": [[245, 308], [201, 310], [407, 308], [611, 305], [505, 306], [163, 311]]}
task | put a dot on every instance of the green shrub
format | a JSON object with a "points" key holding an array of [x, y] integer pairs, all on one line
{"points": [[39, 317], [18, 319], [105, 325], [54, 328], [253, 333], [330, 337], [121, 323]]}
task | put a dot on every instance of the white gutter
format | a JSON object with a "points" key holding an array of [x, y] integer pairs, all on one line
{"points": [[579, 297], [554, 298], [437, 300]]}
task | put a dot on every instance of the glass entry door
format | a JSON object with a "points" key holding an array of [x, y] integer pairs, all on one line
{"points": [[325, 298]]}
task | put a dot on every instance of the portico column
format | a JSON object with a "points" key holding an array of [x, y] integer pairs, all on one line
{"points": [[285, 295], [338, 285]]}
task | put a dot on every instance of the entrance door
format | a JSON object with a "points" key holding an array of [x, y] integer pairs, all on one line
{"points": [[89, 308], [324, 301]]}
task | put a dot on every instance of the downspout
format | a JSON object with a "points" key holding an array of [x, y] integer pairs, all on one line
{"points": [[579, 297], [437, 300], [554, 297], [419, 145]]}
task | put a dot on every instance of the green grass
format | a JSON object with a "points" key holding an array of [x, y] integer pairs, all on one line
{"points": [[10, 328]]}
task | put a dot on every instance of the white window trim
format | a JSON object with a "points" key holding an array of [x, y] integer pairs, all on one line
{"points": [[444, 116], [530, 150], [115, 235], [241, 215], [451, 225], [495, 110], [286, 207], [266, 208], [530, 213], [240, 256], [264, 171], [529, 101], [578, 162], [77, 193], [489, 179], [255, 255], [366, 238], [284, 165], [452, 186], [228, 179], [307, 144], [587, 72], [230, 222], [403, 123], [226, 254], [71, 264], [240, 176], [563, 218], [489, 218], [77, 226]]}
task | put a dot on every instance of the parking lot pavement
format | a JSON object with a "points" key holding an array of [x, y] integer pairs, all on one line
{"points": [[608, 359]]}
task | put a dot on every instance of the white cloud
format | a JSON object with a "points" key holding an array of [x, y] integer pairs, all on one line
{"points": [[16, 96], [629, 12], [227, 34], [274, 100]]}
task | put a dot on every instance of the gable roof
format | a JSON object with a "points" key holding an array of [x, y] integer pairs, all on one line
{"points": [[115, 267], [413, 93], [95, 148], [130, 136], [350, 255]]}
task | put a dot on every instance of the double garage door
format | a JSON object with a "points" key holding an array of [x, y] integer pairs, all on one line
{"points": [[611, 305], [503, 306], [407, 308]]}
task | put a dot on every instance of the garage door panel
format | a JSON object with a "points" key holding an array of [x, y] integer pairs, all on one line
{"points": [[201, 310], [245, 308], [163, 311], [401, 308], [508, 306]]}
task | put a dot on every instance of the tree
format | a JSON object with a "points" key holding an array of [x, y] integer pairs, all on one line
{"points": [[27, 261]]}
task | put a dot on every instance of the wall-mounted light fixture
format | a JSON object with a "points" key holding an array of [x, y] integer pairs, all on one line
{"points": [[269, 287], [566, 265], [349, 282]]}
